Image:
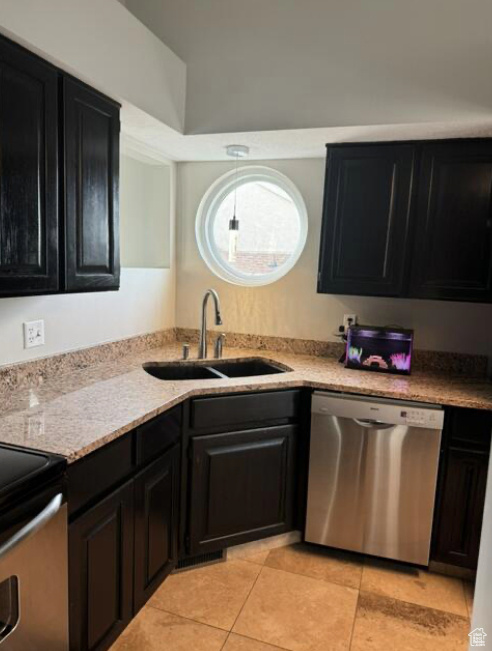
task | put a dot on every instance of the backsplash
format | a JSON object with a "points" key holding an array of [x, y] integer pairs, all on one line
{"points": [[423, 360], [34, 373]]}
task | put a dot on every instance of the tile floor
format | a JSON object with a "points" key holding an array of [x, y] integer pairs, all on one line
{"points": [[303, 598]]}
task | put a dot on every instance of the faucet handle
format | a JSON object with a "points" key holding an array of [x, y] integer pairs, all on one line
{"points": [[186, 351], [219, 345]]}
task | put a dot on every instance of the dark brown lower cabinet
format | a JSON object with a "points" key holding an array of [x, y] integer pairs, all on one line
{"points": [[462, 485], [461, 510], [242, 486], [156, 524], [101, 571]]}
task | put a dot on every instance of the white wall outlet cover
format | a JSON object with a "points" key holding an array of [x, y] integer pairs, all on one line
{"points": [[348, 320], [33, 333]]}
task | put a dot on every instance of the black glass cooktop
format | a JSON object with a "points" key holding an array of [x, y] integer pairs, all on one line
{"points": [[23, 470]]}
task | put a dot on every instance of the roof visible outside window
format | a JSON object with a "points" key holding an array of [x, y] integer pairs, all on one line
{"points": [[272, 226]]}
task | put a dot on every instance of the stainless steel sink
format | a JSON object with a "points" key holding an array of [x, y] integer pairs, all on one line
{"points": [[210, 370]]}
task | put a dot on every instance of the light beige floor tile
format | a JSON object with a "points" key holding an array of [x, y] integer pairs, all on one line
{"points": [[415, 586], [327, 565], [263, 546], [155, 630], [469, 594], [253, 556], [298, 613], [383, 623], [212, 595], [240, 643]]}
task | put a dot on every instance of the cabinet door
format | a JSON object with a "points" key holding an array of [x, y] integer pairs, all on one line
{"points": [[91, 133], [460, 514], [156, 524], [242, 487], [29, 173], [101, 572], [453, 245], [365, 220]]}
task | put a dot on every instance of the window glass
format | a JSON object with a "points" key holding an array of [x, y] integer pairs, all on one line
{"points": [[271, 232]]}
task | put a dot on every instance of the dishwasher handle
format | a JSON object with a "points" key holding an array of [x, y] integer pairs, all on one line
{"points": [[37, 523], [369, 423]]}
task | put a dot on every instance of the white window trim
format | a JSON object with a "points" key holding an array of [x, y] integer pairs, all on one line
{"points": [[207, 209]]}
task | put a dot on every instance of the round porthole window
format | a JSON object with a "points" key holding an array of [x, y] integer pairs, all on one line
{"points": [[251, 226]]}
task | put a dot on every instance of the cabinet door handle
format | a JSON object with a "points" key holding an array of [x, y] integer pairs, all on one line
{"points": [[33, 526]]}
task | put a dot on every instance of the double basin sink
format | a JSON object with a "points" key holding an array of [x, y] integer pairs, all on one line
{"points": [[213, 369]]}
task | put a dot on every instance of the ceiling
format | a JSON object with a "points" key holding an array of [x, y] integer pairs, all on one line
{"points": [[286, 65], [281, 144]]}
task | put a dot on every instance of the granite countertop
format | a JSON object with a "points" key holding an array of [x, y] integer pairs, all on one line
{"points": [[83, 410]]}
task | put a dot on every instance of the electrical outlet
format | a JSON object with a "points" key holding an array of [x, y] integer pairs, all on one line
{"points": [[33, 333], [348, 320]]}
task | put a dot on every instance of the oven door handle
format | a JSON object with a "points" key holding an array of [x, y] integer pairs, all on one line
{"points": [[37, 523]]}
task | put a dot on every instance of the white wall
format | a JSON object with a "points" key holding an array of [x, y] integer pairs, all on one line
{"points": [[145, 207], [291, 307], [102, 43], [260, 65], [144, 303]]}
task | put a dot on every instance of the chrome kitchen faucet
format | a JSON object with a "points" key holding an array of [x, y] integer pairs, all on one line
{"points": [[202, 348]]}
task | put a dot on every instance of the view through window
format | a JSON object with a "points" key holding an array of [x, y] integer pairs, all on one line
{"points": [[271, 232]]}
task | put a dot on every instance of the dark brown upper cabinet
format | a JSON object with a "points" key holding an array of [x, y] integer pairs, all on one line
{"points": [[91, 143], [411, 219], [452, 257], [28, 173], [59, 180], [366, 218]]}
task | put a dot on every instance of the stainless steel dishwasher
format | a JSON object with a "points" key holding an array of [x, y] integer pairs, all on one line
{"points": [[372, 475]]}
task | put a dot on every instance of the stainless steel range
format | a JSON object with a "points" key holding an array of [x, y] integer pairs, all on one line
{"points": [[33, 552], [373, 475]]}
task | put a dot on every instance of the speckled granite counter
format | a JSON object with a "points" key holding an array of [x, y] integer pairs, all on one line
{"points": [[83, 410]]}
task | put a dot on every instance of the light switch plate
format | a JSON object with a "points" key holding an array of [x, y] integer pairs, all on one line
{"points": [[33, 333]]}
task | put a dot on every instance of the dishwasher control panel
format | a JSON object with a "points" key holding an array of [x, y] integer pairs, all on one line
{"points": [[422, 417], [373, 411]]}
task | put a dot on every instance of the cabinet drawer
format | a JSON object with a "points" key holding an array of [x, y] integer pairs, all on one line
{"points": [[158, 435], [98, 472], [238, 410]]}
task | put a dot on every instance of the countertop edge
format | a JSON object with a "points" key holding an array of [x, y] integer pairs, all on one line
{"points": [[255, 387]]}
